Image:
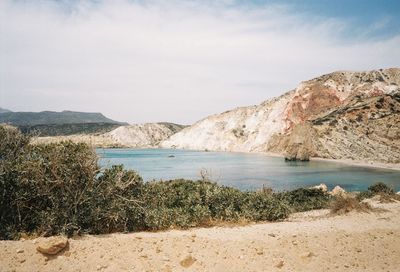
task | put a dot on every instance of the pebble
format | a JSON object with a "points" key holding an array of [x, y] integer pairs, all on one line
{"points": [[20, 250], [188, 261], [280, 264], [307, 255]]}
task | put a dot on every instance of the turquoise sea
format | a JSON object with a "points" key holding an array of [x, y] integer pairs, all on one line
{"points": [[245, 171]]}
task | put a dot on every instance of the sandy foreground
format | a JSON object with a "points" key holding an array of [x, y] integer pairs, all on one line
{"points": [[312, 241]]}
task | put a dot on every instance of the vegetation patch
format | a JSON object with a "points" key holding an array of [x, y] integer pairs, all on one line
{"points": [[58, 188], [342, 205], [303, 199], [386, 194]]}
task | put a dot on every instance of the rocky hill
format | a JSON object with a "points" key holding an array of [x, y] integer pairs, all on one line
{"points": [[342, 115], [3, 110], [52, 117], [138, 135]]}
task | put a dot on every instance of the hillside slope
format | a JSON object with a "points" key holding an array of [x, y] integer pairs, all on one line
{"points": [[3, 110], [265, 127], [137, 135]]}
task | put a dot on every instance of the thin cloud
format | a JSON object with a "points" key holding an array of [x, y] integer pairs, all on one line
{"points": [[169, 60]]}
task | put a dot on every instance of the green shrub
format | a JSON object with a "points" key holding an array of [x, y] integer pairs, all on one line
{"points": [[302, 199], [379, 188], [261, 206], [185, 203], [59, 188]]}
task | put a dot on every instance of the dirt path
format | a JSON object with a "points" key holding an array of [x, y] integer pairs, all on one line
{"points": [[312, 241]]}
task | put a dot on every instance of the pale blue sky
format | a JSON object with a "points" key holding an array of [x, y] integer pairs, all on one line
{"points": [[179, 61]]}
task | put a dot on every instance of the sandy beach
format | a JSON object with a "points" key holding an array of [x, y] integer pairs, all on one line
{"points": [[390, 166], [311, 241]]}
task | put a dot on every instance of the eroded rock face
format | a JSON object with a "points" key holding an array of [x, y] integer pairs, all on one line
{"points": [[351, 115], [143, 135], [137, 135]]}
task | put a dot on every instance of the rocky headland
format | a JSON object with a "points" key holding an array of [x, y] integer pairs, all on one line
{"points": [[342, 115]]}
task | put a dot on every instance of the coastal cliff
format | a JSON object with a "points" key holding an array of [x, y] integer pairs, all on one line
{"points": [[341, 115]]}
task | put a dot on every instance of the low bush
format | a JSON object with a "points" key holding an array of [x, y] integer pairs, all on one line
{"points": [[342, 205], [380, 187], [303, 199], [59, 188], [186, 203], [385, 192]]}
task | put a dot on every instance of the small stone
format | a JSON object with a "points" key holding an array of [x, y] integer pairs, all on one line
{"points": [[20, 250], [280, 264], [260, 251], [52, 245], [271, 234], [188, 261], [307, 255], [241, 257], [158, 250], [294, 243], [22, 260], [144, 256]]}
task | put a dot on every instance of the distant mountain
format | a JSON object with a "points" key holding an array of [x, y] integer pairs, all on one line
{"points": [[2, 110], [50, 123], [52, 117]]}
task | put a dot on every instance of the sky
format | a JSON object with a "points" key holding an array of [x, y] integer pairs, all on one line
{"points": [[180, 61]]}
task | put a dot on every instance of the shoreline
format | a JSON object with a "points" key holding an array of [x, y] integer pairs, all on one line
{"points": [[359, 163], [376, 165]]}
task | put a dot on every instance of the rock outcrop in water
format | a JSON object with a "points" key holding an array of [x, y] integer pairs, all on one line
{"points": [[342, 115]]}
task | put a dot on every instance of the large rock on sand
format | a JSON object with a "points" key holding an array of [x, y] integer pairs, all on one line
{"points": [[52, 245]]}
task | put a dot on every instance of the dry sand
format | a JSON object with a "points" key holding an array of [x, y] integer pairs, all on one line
{"points": [[312, 241]]}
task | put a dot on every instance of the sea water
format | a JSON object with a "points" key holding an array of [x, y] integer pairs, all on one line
{"points": [[246, 171]]}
